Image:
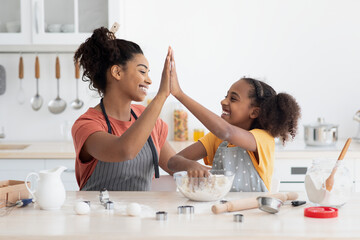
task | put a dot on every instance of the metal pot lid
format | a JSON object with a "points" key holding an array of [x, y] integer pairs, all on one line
{"points": [[321, 123]]}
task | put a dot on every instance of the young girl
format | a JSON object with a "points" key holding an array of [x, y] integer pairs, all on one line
{"points": [[242, 139], [119, 145]]}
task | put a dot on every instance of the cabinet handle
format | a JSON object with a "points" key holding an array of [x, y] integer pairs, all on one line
{"points": [[36, 11], [36, 17], [298, 170], [70, 170]]}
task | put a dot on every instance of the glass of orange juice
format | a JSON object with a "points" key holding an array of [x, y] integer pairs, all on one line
{"points": [[198, 133]]}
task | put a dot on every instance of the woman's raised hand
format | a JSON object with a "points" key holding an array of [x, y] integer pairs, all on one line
{"points": [[165, 78], [174, 86]]}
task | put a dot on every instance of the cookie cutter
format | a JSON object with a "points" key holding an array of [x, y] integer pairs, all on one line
{"points": [[238, 217], [161, 216], [187, 209]]}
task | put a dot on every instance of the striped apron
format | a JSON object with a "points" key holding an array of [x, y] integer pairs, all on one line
{"points": [[130, 175], [237, 160]]}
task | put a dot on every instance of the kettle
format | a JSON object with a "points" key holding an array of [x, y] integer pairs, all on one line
{"points": [[50, 191]]}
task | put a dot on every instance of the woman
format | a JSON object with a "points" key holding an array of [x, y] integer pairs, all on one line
{"points": [[119, 145]]}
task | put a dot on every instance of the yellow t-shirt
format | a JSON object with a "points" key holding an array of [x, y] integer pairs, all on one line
{"points": [[265, 148]]}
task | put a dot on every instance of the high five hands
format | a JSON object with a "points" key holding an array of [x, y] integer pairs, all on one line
{"points": [[169, 80], [175, 89]]}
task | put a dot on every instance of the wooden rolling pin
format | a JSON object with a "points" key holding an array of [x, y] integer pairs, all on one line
{"points": [[249, 203]]}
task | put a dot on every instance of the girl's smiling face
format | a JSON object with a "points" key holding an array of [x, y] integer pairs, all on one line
{"points": [[236, 107]]}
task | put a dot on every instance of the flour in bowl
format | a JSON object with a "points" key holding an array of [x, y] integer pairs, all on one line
{"points": [[212, 188]]}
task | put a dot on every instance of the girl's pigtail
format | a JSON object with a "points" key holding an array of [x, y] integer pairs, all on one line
{"points": [[279, 115]]}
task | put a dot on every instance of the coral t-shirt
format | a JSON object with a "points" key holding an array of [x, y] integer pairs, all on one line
{"points": [[265, 148], [93, 121]]}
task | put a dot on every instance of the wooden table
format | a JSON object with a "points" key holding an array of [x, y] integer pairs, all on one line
{"points": [[32, 223]]}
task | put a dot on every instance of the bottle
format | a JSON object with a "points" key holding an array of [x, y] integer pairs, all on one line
{"points": [[180, 123], [315, 184]]}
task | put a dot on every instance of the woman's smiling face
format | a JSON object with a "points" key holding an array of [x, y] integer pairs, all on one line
{"points": [[236, 106], [136, 78]]}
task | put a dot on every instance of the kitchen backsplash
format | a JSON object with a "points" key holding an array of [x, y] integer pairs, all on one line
{"points": [[315, 59], [21, 122]]}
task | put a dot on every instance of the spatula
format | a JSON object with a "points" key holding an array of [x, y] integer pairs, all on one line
{"points": [[330, 180]]}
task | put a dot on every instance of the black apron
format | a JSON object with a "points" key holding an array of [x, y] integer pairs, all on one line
{"points": [[130, 175]]}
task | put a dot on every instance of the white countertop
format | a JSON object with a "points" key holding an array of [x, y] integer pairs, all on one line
{"points": [[65, 150], [38, 150], [32, 223]]}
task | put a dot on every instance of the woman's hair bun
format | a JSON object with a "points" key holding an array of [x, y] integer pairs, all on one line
{"points": [[101, 51]]}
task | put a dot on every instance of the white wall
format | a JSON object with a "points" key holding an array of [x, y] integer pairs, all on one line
{"points": [[310, 49]]}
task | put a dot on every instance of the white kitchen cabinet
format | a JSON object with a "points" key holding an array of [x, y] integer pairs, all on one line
{"points": [[55, 22], [357, 174], [18, 169], [291, 173], [15, 24]]}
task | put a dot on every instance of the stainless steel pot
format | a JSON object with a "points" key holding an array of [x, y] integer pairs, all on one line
{"points": [[320, 133]]}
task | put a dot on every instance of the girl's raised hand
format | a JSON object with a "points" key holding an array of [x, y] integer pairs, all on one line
{"points": [[197, 170], [174, 86], [165, 78]]}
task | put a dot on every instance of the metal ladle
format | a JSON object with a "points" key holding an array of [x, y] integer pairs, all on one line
{"points": [[37, 100], [77, 103], [57, 105]]}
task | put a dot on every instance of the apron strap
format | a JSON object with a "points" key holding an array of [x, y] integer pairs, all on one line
{"points": [[106, 116], [150, 141]]}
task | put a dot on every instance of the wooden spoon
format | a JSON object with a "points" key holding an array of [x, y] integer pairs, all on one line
{"points": [[21, 94], [330, 180]]}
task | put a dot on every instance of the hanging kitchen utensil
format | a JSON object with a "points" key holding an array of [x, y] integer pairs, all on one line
{"points": [[37, 100], [2, 80], [57, 105], [21, 93], [77, 103], [329, 183]]}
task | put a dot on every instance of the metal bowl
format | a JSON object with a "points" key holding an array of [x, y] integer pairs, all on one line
{"points": [[320, 133], [269, 204]]}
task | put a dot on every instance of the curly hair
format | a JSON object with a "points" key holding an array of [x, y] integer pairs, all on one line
{"points": [[279, 113], [101, 51]]}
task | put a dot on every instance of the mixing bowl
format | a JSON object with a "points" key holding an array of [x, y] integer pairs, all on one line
{"points": [[205, 189]]}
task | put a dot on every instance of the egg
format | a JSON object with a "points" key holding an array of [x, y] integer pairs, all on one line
{"points": [[133, 209], [82, 208]]}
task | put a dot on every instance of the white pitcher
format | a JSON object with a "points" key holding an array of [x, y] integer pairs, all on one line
{"points": [[50, 192]]}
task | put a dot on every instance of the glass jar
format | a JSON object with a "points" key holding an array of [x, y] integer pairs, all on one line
{"points": [[180, 123], [315, 183]]}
